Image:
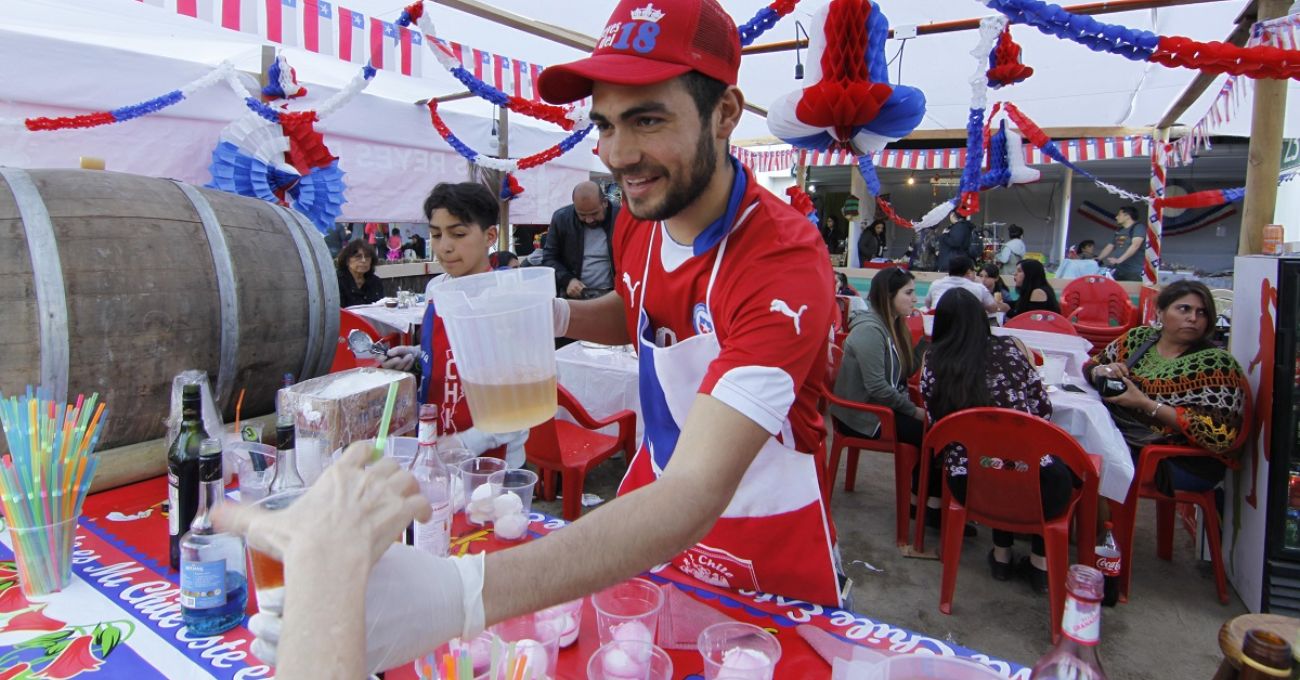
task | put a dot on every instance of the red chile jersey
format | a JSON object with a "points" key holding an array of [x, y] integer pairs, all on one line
{"points": [[439, 380], [772, 305]]}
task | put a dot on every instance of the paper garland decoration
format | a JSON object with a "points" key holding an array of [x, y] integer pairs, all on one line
{"points": [[1005, 67], [802, 202], [764, 19], [510, 187], [282, 81], [1260, 61], [120, 115], [503, 164], [278, 155], [849, 102]]}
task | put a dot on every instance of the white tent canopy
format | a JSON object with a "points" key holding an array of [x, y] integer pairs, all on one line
{"points": [[80, 55], [66, 58]]}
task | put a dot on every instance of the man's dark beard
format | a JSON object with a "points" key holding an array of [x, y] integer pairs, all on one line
{"points": [[703, 165]]}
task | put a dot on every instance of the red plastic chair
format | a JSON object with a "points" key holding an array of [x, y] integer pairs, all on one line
{"points": [[905, 455], [572, 450], [916, 326], [344, 359], [842, 302], [1048, 322], [1010, 499], [1144, 486], [1099, 308]]}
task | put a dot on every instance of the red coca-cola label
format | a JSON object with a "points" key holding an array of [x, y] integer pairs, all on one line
{"points": [[1108, 562]]}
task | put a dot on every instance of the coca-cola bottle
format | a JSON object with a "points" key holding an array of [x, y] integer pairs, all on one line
{"points": [[1108, 563], [1075, 656]]}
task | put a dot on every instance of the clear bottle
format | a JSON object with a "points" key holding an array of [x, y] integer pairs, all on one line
{"points": [[433, 536], [1075, 656], [286, 475], [214, 584], [183, 471]]}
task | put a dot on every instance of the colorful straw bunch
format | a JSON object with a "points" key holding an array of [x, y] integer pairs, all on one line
{"points": [[458, 664], [44, 481]]}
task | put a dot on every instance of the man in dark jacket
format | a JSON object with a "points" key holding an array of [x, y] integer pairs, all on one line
{"points": [[579, 244], [955, 240]]}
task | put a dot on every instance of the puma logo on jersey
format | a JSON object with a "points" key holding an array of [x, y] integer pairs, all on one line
{"points": [[782, 307], [631, 287]]}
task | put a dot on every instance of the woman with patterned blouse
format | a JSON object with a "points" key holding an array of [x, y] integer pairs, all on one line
{"points": [[966, 367], [1181, 389]]}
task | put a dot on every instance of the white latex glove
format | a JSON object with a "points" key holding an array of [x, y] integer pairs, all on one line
{"points": [[560, 316], [401, 358], [479, 442], [414, 603]]}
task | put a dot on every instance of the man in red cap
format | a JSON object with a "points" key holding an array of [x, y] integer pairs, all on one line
{"points": [[727, 292]]}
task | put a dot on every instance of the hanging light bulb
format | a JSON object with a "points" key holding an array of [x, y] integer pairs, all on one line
{"points": [[496, 113], [798, 60], [911, 180]]}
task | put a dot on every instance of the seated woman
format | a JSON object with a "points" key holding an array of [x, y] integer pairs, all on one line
{"points": [[462, 225], [992, 280], [878, 361], [1032, 289], [842, 286], [358, 284], [1181, 389], [968, 366]]}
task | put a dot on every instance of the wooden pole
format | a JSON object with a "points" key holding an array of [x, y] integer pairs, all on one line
{"points": [[858, 188], [503, 151], [268, 58], [1156, 214], [1063, 215], [1264, 158]]}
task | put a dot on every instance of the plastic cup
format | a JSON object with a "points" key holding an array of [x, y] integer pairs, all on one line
{"points": [[628, 611], [43, 555], [501, 329], [510, 517], [534, 640], [927, 323], [476, 473], [565, 619], [626, 660], [268, 572], [254, 466], [738, 651], [1053, 369], [452, 457]]}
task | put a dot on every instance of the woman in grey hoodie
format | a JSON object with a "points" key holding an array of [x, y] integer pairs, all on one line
{"points": [[879, 359]]}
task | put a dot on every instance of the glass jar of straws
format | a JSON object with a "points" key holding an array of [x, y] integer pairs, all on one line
{"points": [[43, 483]]}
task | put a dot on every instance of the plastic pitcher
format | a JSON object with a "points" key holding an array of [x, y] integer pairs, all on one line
{"points": [[502, 334]]}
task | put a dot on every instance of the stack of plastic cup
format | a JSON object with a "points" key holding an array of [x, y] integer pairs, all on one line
{"points": [[513, 502], [480, 492]]}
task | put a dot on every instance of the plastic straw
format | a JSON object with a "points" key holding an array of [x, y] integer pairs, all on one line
{"points": [[385, 421], [239, 406], [45, 478]]}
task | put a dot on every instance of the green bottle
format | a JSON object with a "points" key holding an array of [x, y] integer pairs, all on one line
{"points": [[183, 471]]}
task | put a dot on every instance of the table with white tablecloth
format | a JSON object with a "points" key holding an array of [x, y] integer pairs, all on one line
{"points": [[391, 319], [603, 378], [1083, 415]]}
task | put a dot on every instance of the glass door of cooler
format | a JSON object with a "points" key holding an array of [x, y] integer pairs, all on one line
{"points": [[1286, 406]]}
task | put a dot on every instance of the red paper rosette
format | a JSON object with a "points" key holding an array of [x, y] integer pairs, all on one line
{"points": [[306, 146], [1005, 66]]}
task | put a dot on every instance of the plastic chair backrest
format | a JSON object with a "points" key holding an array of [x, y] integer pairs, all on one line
{"points": [[543, 439], [349, 322], [916, 326], [842, 301], [1096, 300], [1049, 322], [1007, 492], [1146, 311]]}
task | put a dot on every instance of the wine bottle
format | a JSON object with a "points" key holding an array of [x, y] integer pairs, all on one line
{"points": [[183, 471]]}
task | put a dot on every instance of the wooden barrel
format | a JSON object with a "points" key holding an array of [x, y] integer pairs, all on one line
{"points": [[114, 283]]}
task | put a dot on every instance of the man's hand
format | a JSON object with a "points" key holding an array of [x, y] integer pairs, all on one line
{"points": [[351, 507], [1112, 261], [575, 288], [400, 358]]}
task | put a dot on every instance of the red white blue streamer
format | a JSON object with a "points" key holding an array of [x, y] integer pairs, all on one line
{"points": [[121, 114]]}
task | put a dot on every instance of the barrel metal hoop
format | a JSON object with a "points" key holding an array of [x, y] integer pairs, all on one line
{"points": [[329, 300], [227, 290], [47, 275], [310, 358]]}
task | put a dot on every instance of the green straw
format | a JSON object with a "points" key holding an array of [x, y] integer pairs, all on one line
{"points": [[385, 421]]}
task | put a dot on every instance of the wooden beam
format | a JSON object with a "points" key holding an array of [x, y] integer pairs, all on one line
{"points": [[503, 151], [518, 22], [1240, 34], [1091, 8], [755, 108], [1264, 159], [447, 98]]}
